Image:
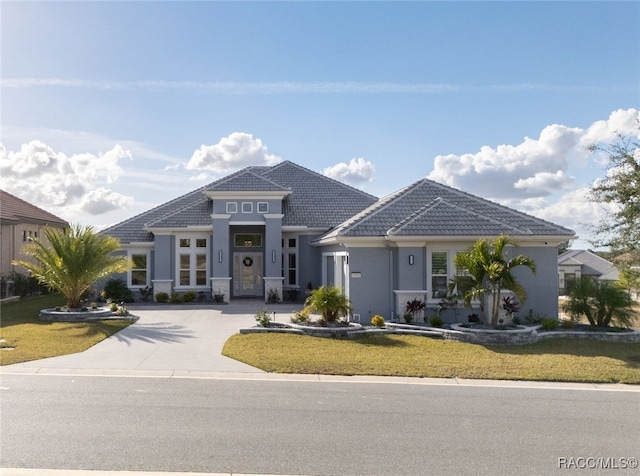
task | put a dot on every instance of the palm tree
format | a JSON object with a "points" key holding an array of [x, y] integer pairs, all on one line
{"points": [[488, 271], [601, 302], [74, 259], [330, 301]]}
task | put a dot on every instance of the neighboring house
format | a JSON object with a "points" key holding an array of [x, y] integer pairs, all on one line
{"points": [[574, 264], [19, 221], [274, 229]]}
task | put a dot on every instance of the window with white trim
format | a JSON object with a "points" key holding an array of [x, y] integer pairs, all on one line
{"points": [[439, 274], [247, 207], [263, 207], [139, 271], [232, 207], [290, 261], [193, 259], [441, 268]]}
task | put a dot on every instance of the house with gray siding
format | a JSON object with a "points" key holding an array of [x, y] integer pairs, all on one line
{"points": [[275, 230], [574, 264]]}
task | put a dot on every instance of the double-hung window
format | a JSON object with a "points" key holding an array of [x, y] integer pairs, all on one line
{"points": [[193, 253]]}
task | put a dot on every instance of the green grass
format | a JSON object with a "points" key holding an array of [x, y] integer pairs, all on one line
{"points": [[28, 338], [563, 360]]}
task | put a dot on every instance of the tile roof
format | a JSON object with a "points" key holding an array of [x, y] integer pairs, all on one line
{"points": [[16, 210], [246, 179], [428, 208], [314, 201]]}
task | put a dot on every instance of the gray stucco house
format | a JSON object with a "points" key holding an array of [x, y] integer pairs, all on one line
{"points": [[274, 229], [573, 264]]}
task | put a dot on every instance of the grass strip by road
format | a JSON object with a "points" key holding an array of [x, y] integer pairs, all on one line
{"points": [[27, 338], [562, 360]]}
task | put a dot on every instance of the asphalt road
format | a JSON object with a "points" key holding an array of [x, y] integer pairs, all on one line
{"points": [[311, 427]]}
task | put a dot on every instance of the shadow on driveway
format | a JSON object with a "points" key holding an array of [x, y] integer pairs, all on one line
{"points": [[154, 332]]}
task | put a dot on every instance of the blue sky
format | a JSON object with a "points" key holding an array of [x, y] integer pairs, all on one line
{"points": [[110, 108]]}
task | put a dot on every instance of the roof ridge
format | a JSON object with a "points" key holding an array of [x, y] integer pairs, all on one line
{"points": [[373, 209], [409, 219], [306, 169]]}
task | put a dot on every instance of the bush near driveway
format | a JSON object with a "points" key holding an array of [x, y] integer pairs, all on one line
{"points": [[563, 360], [27, 338]]}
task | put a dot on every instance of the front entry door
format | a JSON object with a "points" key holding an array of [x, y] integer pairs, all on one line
{"points": [[247, 274]]}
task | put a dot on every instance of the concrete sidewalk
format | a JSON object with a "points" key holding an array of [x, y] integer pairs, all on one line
{"points": [[166, 340]]}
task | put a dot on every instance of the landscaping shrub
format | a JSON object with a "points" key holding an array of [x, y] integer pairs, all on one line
{"points": [[330, 301], [262, 318], [176, 298], [273, 296], [603, 303], [549, 324], [300, 317], [189, 296], [436, 321], [162, 297], [116, 290], [377, 321]]}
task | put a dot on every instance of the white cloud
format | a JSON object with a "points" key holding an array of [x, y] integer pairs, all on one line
{"points": [[574, 210], [102, 200], [544, 183], [355, 172], [533, 168], [233, 152], [46, 178]]}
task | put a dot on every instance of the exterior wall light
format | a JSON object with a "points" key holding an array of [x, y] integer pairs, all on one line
{"points": [[411, 260]]}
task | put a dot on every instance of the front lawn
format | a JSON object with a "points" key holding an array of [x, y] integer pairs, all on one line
{"points": [[26, 337], [562, 360]]}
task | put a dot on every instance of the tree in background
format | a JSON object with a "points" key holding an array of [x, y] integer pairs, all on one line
{"points": [[73, 260], [620, 230]]}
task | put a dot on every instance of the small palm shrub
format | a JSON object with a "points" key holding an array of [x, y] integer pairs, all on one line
{"points": [[603, 303], [116, 290], [330, 301], [377, 321]]}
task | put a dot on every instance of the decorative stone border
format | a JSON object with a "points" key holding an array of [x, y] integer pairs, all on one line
{"points": [[99, 314], [531, 334], [521, 335], [351, 331]]}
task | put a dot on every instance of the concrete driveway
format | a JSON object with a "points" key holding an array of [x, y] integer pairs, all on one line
{"points": [[170, 340]]}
